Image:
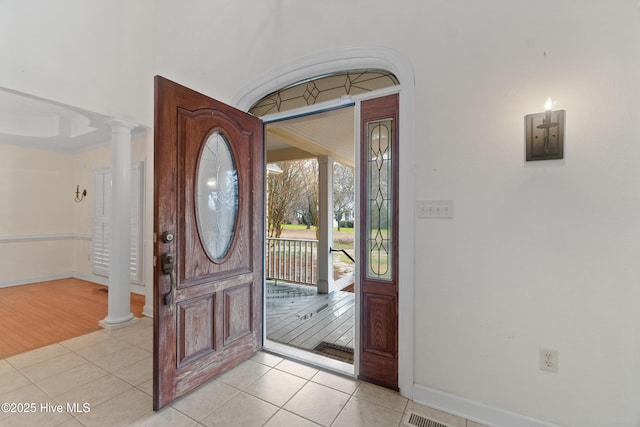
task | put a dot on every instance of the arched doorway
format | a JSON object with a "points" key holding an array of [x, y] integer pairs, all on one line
{"points": [[394, 62]]}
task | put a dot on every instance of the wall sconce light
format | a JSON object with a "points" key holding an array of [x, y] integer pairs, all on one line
{"points": [[544, 135], [79, 195]]}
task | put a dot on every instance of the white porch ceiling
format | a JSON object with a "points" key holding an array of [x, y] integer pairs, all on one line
{"points": [[330, 133]]}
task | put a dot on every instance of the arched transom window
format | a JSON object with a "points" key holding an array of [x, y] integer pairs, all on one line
{"points": [[323, 88]]}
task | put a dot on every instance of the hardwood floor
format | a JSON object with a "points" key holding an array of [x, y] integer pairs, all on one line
{"points": [[39, 314]]}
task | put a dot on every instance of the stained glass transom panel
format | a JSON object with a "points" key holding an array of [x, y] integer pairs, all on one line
{"points": [[323, 88], [217, 196], [379, 200]]}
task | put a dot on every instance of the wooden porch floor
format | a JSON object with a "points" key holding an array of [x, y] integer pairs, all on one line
{"points": [[298, 316]]}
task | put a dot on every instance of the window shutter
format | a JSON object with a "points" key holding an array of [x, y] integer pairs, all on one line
{"points": [[102, 218], [135, 257]]}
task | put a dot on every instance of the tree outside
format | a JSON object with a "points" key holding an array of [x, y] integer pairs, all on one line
{"points": [[292, 206]]}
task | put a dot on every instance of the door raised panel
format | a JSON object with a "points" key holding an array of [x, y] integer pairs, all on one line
{"points": [[196, 328], [380, 317], [237, 312]]}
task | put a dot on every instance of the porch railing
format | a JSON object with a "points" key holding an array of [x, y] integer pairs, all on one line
{"points": [[292, 260]]}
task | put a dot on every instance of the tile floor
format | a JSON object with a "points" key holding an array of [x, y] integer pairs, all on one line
{"points": [[108, 374]]}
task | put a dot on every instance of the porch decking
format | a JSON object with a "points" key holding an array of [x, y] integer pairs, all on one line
{"points": [[298, 316]]}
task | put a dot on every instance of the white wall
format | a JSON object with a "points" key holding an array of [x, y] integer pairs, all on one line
{"points": [[36, 208], [95, 55], [537, 255], [44, 233]]}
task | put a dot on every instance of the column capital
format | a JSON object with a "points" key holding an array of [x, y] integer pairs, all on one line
{"points": [[121, 124]]}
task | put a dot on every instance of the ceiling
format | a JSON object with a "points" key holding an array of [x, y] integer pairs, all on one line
{"points": [[329, 133], [38, 123]]}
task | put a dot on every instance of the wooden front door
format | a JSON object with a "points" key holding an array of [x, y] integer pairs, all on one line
{"points": [[379, 241], [209, 247]]}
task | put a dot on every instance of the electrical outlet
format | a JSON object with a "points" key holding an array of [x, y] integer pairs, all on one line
{"points": [[548, 360]]}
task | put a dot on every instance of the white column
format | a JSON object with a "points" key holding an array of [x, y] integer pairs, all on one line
{"points": [[325, 224], [119, 314]]}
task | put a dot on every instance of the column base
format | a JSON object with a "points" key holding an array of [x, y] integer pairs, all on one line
{"points": [[120, 325]]}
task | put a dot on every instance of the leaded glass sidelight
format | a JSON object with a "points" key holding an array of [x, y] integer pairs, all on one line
{"points": [[217, 196], [379, 200]]}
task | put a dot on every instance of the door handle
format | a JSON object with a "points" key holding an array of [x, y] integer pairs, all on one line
{"points": [[167, 263]]}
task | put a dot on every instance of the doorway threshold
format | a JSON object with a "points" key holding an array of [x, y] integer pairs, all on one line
{"points": [[310, 358]]}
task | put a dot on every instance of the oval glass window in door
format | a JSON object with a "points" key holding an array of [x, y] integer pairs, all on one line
{"points": [[217, 196]]}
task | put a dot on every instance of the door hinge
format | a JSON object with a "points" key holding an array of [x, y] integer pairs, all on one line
{"points": [[155, 238], [154, 260]]}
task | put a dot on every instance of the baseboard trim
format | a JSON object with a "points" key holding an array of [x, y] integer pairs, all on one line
{"points": [[135, 288], [490, 416], [147, 311], [34, 280]]}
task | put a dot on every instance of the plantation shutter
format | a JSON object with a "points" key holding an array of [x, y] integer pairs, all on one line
{"points": [[102, 218]]}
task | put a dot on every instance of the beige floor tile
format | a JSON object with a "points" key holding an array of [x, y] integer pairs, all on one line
{"points": [[340, 383], [146, 344], [286, 419], [275, 387], [77, 343], [317, 403], [362, 413], [73, 378], [71, 423], [147, 387], [102, 348], [5, 367], [266, 358], [298, 369], [436, 415], [146, 321], [113, 362], [381, 396], [38, 418], [122, 410], [136, 335], [241, 410], [166, 417], [53, 366], [138, 372], [95, 392], [204, 400], [243, 374], [36, 356], [12, 380], [26, 393], [474, 424]]}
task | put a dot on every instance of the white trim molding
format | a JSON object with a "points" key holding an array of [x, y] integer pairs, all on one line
{"points": [[34, 280], [490, 416], [378, 57], [44, 237]]}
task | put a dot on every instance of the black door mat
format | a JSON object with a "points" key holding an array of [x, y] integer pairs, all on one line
{"points": [[334, 351]]}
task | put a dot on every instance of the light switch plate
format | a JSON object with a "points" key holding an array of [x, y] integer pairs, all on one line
{"points": [[435, 209]]}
